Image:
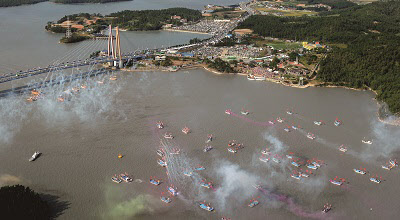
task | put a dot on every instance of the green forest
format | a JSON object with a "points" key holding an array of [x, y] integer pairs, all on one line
{"points": [[8, 3], [152, 19], [370, 34]]}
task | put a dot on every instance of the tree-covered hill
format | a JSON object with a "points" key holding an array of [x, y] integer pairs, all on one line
{"points": [[371, 34]]}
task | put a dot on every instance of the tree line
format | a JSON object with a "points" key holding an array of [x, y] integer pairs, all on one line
{"points": [[371, 34]]}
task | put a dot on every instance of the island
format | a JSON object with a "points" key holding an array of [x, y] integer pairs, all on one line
{"points": [[9, 3]]}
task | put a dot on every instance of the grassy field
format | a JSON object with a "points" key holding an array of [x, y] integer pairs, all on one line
{"points": [[279, 45]]}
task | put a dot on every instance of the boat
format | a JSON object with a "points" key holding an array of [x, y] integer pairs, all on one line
{"points": [[172, 191], [162, 163], [343, 149], [289, 156], [231, 143], [200, 168], [327, 208], [209, 138], [253, 203], [337, 122], [266, 152], [294, 127], [228, 111], [115, 179], [35, 156], [393, 163], [316, 164], [276, 160], [160, 153], [205, 206], [387, 167], [165, 199], [271, 122], [232, 150], [125, 177], [362, 172], [312, 166], [160, 125], [318, 123], [294, 163], [335, 182], [304, 175], [155, 182], [259, 77], [295, 176], [168, 136], [286, 129], [250, 77], [244, 112], [175, 151], [375, 180], [186, 130], [188, 173], [289, 112], [366, 142], [264, 159], [207, 148], [206, 185], [280, 120], [310, 136]]}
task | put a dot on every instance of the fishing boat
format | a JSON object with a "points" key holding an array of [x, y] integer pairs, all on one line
{"points": [[162, 163], [327, 208], [228, 111], [244, 112], [250, 77], [375, 180], [271, 122], [35, 156], [294, 163], [318, 123], [172, 191], [387, 167], [295, 176], [188, 173], [155, 182], [343, 149], [209, 138], [286, 129], [165, 199], [253, 203], [366, 142], [393, 163], [362, 172], [186, 130], [294, 127], [280, 120], [311, 136], [168, 136], [289, 112], [316, 164], [206, 185], [276, 160], [304, 174], [231, 143], [115, 179], [312, 166], [125, 177], [289, 156], [160, 153], [335, 182], [175, 151], [264, 159], [337, 122], [160, 125], [232, 150], [266, 152], [200, 168], [207, 148], [205, 206]]}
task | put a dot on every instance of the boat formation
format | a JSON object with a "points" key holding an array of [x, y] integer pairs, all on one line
{"points": [[206, 206], [122, 177], [35, 156]]}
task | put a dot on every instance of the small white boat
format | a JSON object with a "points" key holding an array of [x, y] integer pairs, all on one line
{"points": [[366, 142], [35, 156], [172, 191], [337, 122], [209, 138], [289, 112], [207, 207], [264, 159], [271, 122], [115, 179], [125, 177], [343, 149], [243, 112], [362, 172], [265, 152], [230, 149], [294, 163], [168, 136], [228, 111], [310, 136], [318, 123], [251, 77], [294, 127], [295, 176], [286, 129], [162, 163], [280, 120], [160, 153], [253, 203], [335, 182], [186, 130], [375, 180]]}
